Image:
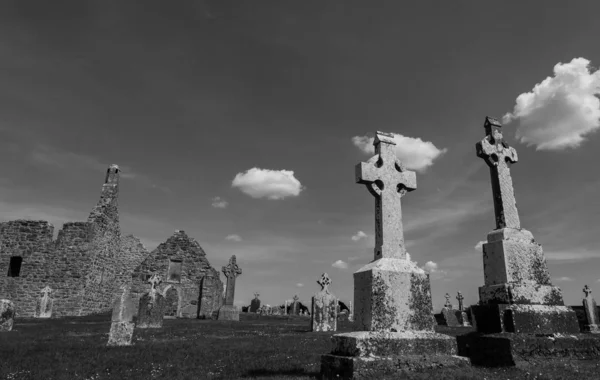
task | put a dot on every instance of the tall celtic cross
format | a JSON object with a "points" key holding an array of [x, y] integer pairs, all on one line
{"points": [[587, 291], [256, 295], [324, 281], [46, 291], [448, 304], [460, 299], [498, 156], [231, 271], [387, 180]]}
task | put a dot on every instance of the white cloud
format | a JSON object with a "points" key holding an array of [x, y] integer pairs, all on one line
{"points": [[233, 237], [430, 267], [218, 202], [414, 153], [560, 110], [299, 285], [560, 279], [266, 183], [340, 264], [479, 246], [359, 235]]}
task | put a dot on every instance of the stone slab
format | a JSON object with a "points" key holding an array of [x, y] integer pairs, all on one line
{"points": [[120, 333], [534, 319], [496, 350], [450, 318], [521, 293], [228, 313], [7, 315], [392, 295], [151, 311]]}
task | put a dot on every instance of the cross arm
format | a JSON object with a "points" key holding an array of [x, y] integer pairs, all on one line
{"points": [[491, 153], [366, 172]]}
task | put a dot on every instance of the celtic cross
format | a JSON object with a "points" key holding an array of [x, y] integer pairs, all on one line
{"points": [[587, 291], [387, 180], [46, 291], [231, 271], [154, 281], [460, 299], [324, 281], [448, 304], [498, 156]]}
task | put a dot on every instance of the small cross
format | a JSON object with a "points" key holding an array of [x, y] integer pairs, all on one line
{"points": [[232, 269], [587, 291], [256, 295], [46, 291], [154, 281], [498, 155], [387, 180], [325, 281], [448, 304], [296, 298], [460, 299]]}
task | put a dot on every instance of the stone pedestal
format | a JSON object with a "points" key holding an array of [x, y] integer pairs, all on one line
{"points": [[228, 313], [372, 355], [531, 319], [120, 333], [7, 315]]}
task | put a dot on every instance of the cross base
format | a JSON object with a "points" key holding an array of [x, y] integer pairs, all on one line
{"points": [[521, 293], [371, 355], [228, 313], [530, 319]]}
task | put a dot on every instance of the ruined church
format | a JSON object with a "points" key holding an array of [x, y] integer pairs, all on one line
{"points": [[89, 261]]}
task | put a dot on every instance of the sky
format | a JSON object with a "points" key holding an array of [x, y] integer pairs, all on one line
{"points": [[241, 124]]}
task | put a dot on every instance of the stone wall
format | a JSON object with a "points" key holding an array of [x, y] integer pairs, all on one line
{"points": [[182, 265]]}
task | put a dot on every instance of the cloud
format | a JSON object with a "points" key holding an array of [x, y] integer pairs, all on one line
{"points": [[359, 235], [414, 153], [560, 279], [560, 110], [479, 246], [233, 237], [430, 267], [299, 285], [340, 264], [218, 202], [266, 183]]}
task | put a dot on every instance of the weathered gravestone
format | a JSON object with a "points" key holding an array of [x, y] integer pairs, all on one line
{"points": [[324, 307], [255, 304], [228, 312], [44, 305], [518, 296], [449, 314], [7, 315], [152, 306], [121, 327], [591, 312], [350, 312], [295, 307], [461, 314], [392, 297]]}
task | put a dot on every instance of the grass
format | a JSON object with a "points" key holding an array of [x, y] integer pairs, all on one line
{"points": [[254, 348]]}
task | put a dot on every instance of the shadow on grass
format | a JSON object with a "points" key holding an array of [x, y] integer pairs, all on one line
{"points": [[263, 372]]}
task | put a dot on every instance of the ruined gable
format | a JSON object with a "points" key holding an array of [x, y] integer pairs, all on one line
{"points": [[191, 284]]}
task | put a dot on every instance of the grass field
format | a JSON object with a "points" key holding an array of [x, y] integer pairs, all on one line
{"points": [[256, 347]]}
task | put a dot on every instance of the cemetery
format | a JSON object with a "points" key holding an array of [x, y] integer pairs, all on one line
{"points": [[169, 317]]}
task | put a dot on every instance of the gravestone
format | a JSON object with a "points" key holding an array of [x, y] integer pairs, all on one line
{"points": [[461, 314], [255, 304], [295, 307], [350, 312], [518, 296], [152, 305], [285, 309], [7, 315], [44, 305], [393, 320], [121, 327], [324, 307], [449, 314], [591, 312], [228, 312]]}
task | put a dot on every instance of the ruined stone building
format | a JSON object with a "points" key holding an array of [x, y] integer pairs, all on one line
{"points": [[191, 286], [84, 266]]}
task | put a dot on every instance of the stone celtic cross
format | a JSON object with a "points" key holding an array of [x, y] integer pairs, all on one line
{"points": [[46, 291], [231, 271], [498, 156], [256, 295], [154, 281], [587, 291], [448, 304], [460, 299], [387, 180], [324, 281], [296, 298]]}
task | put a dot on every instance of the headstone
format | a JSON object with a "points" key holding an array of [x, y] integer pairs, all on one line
{"points": [[461, 314], [393, 320], [449, 314], [324, 307], [448, 304], [591, 312], [255, 304], [7, 315], [43, 308], [121, 327], [285, 309], [295, 308], [350, 312], [518, 295], [228, 312], [152, 306]]}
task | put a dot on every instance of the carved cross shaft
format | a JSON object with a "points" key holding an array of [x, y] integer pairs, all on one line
{"points": [[387, 180], [460, 299], [231, 271], [498, 156], [448, 304], [324, 281]]}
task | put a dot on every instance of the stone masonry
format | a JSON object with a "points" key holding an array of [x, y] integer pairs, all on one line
{"points": [[392, 297], [84, 266], [191, 286]]}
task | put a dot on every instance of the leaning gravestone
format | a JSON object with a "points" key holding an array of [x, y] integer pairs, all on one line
{"points": [[7, 315], [394, 322], [324, 307], [449, 314], [591, 312], [152, 306], [44, 304], [518, 296], [121, 327], [228, 312]]}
